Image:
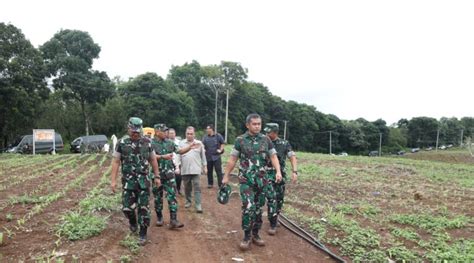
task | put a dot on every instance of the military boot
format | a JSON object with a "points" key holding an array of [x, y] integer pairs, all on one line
{"points": [[174, 221], [159, 222], [142, 239], [256, 239], [245, 243], [272, 230]]}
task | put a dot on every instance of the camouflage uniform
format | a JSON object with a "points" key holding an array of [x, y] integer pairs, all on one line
{"points": [[134, 156], [253, 152], [168, 182], [283, 149]]}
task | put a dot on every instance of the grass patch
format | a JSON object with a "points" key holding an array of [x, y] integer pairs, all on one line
{"points": [[407, 234], [100, 202], [402, 254], [131, 242], [429, 222], [75, 225]]}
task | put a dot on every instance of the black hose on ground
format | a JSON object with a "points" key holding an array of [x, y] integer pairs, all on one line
{"points": [[290, 225]]}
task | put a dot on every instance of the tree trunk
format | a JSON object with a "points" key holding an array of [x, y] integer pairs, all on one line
{"points": [[86, 120]]}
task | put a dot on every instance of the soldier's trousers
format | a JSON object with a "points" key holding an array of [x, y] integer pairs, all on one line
{"points": [[137, 199], [168, 185], [271, 198], [280, 194], [252, 197]]}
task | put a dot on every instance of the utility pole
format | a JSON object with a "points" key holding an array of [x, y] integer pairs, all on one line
{"points": [[284, 131], [462, 133], [330, 142], [380, 145], [437, 139], [226, 113], [213, 84], [215, 112]]}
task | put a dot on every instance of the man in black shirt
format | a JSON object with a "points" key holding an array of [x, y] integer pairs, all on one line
{"points": [[214, 146]]}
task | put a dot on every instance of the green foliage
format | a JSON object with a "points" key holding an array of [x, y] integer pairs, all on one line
{"points": [[430, 222], [459, 251], [69, 56], [406, 233], [402, 254], [75, 225], [22, 83], [100, 202], [125, 258], [131, 242], [422, 132]]}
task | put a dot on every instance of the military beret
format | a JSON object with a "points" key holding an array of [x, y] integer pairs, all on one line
{"points": [[269, 127], [135, 124], [160, 127]]}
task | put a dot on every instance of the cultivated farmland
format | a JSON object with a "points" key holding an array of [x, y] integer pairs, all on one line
{"points": [[59, 208]]}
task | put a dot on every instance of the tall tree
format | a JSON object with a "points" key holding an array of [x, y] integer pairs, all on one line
{"points": [[422, 131], [151, 98], [188, 78], [69, 56], [22, 83]]}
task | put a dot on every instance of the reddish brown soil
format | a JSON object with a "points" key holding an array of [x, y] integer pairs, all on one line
{"points": [[207, 237]]}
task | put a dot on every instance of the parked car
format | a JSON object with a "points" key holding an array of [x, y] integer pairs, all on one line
{"points": [[95, 141], [343, 154], [24, 144], [401, 153], [415, 150], [442, 147], [374, 153]]}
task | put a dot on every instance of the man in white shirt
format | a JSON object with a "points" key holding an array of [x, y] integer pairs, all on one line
{"points": [[193, 163]]}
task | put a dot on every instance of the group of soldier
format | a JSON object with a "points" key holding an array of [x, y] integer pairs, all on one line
{"points": [[261, 176]]}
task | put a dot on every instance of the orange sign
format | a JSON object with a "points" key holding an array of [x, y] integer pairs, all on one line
{"points": [[43, 135]]}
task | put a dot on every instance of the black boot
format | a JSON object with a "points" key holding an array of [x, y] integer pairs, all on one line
{"points": [[159, 222], [174, 221], [272, 230], [256, 238], [245, 243], [142, 240]]}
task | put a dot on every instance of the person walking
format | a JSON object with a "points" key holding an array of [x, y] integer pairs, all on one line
{"points": [[253, 149], [276, 198], [193, 164], [214, 146], [164, 149], [176, 159], [135, 154]]}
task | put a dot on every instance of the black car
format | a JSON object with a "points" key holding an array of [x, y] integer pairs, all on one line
{"points": [[24, 144], [95, 141], [374, 153]]}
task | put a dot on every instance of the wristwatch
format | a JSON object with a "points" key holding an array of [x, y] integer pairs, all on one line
{"points": [[296, 172]]}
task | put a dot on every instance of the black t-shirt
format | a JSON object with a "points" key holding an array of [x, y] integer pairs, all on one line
{"points": [[212, 144]]}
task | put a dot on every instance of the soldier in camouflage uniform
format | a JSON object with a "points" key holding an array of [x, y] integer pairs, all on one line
{"points": [[135, 154], [164, 149], [252, 148], [284, 150]]}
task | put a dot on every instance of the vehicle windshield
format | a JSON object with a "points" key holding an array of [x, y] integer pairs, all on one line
{"points": [[17, 141]]}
